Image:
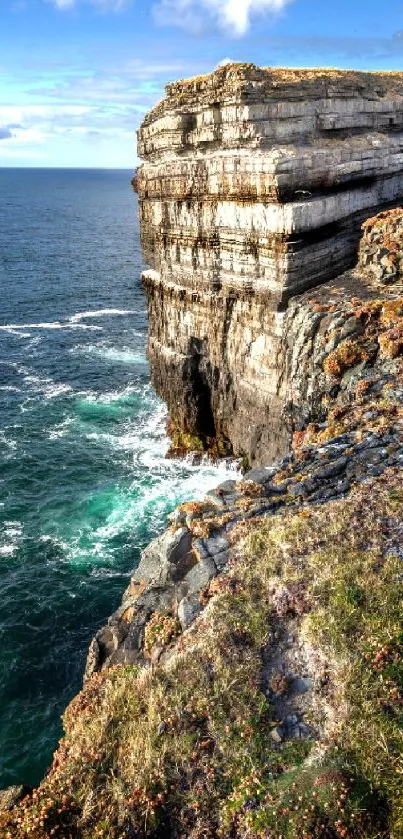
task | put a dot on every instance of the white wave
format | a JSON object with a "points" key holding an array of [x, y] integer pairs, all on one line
{"points": [[111, 396], [123, 355], [10, 389], [7, 550], [60, 429], [10, 538], [14, 328], [46, 386], [99, 313], [11, 444], [108, 574], [13, 528], [130, 511]]}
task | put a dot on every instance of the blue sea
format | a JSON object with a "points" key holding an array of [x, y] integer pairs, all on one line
{"points": [[84, 482]]}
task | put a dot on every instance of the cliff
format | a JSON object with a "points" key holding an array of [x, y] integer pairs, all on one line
{"points": [[251, 683], [254, 185]]}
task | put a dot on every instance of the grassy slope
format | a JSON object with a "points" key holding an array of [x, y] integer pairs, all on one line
{"points": [[184, 749]]}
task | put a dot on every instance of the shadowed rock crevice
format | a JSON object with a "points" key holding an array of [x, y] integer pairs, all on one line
{"points": [[201, 392]]}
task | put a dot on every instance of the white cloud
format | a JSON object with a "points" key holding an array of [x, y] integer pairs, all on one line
{"points": [[103, 5], [233, 16]]}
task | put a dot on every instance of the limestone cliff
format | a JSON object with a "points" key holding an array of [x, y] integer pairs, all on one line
{"points": [[254, 185]]}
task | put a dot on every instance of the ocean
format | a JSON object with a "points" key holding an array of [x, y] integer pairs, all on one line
{"points": [[84, 482]]}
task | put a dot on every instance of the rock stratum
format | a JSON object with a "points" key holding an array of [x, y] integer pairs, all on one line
{"points": [[251, 683], [253, 188]]}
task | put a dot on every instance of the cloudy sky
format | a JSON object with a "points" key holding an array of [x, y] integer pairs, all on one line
{"points": [[76, 76]]}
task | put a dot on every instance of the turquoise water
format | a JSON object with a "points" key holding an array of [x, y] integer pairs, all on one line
{"points": [[84, 483]]}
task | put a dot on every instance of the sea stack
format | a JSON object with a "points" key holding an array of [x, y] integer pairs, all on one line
{"points": [[254, 185]]}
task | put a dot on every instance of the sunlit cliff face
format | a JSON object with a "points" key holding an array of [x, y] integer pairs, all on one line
{"points": [[253, 188]]}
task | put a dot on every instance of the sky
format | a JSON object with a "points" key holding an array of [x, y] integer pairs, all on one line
{"points": [[77, 76]]}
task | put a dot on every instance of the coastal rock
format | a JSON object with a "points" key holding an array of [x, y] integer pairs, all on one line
{"points": [[167, 558], [11, 796], [254, 185], [188, 609], [380, 252]]}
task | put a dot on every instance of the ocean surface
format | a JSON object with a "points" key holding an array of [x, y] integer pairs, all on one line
{"points": [[84, 483]]}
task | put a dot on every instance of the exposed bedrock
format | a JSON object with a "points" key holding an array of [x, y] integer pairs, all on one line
{"points": [[254, 186]]}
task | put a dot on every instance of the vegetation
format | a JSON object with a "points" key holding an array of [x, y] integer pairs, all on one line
{"points": [[184, 748]]}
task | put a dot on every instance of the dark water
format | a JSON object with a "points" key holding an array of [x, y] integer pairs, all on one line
{"points": [[83, 479]]}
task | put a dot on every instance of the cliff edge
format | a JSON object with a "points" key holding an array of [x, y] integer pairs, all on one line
{"points": [[253, 188]]}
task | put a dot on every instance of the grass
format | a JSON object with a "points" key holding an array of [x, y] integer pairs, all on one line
{"points": [[183, 748]]}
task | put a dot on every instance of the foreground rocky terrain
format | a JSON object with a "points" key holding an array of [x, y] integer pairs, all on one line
{"points": [[251, 683]]}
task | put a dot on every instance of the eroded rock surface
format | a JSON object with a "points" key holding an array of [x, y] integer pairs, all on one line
{"points": [[254, 185]]}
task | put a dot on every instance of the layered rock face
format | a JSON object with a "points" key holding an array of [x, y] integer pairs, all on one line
{"points": [[254, 186]]}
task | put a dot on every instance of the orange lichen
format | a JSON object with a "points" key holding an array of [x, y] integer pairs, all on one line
{"points": [[346, 355]]}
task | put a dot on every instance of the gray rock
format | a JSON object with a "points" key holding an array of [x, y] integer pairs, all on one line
{"points": [[331, 469], [162, 728], [304, 731], [177, 517], [216, 544], [166, 558], [301, 684], [277, 489], [188, 610], [200, 548], [227, 487], [200, 575], [303, 488], [221, 560], [352, 326], [260, 476], [219, 501]]}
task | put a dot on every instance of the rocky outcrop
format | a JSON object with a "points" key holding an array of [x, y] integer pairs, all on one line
{"points": [[254, 185], [344, 400], [380, 253]]}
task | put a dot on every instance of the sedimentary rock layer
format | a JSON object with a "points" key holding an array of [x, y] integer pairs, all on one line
{"points": [[254, 186]]}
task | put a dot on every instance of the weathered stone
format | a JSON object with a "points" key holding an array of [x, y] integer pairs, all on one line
{"points": [[260, 476], [168, 557], [221, 560], [200, 575], [331, 469], [188, 610], [301, 684], [11, 796], [277, 734], [216, 544]]}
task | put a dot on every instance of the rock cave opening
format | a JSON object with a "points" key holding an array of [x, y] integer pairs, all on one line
{"points": [[201, 392]]}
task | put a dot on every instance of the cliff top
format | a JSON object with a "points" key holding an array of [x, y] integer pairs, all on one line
{"points": [[246, 80]]}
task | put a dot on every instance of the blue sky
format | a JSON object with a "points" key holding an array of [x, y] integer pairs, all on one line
{"points": [[76, 76]]}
